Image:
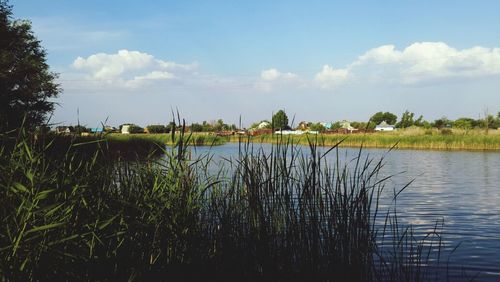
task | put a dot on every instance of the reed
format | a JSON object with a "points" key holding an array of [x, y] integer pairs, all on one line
{"points": [[279, 215], [433, 141], [165, 138]]}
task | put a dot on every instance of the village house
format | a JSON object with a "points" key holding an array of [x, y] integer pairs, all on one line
{"points": [[303, 125], [327, 125], [384, 126], [347, 126], [125, 129], [63, 129], [264, 125]]}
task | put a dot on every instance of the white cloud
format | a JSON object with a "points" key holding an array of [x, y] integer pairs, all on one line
{"points": [[330, 77], [274, 74], [129, 68], [272, 78], [421, 62]]}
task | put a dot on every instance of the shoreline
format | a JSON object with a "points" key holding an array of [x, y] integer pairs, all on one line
{"points": [[435, 142], [472, 143]]}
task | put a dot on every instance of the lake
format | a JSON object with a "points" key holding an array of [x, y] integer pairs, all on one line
{"points": [[460, 188]]}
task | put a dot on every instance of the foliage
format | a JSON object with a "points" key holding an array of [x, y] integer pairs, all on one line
{"points": [[363, 125], [317, 127], [135, 129], [416, 139], [172, 126], [157, 128], [464, 123], [221, 126], [446, 131], [406, 120], [258, 124], [218, 125], [420, 122], [491, 122], [388, 117], [425, 124], [196, 127], [280, 120], [26, 82], [336, 125], [78, 129], [442, 122]]}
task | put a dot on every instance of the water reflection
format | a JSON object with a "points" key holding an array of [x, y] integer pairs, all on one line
{"points": [[460, 188]]}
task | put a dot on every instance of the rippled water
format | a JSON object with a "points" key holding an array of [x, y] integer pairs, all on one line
{"points": [[460, 188]]}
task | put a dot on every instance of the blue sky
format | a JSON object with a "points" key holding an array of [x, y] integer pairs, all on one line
{"points": [[132, 61]]}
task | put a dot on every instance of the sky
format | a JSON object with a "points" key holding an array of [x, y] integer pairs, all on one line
{"points": [[140, 61]]}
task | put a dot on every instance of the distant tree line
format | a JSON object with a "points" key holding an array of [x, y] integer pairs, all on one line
{"points": [[280, 121], [407, 119], [214, 126]]}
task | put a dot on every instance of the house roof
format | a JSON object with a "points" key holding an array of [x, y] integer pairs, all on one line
{"points": [[384, 124]]}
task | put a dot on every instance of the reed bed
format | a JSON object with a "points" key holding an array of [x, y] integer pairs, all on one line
{"points": [[278, 216], [436, 141], [166, 139]]}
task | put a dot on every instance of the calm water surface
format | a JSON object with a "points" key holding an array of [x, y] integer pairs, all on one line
{"points": [[460, 188]]}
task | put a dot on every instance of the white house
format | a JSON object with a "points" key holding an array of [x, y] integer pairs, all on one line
{"points": [[295, 132], [347, 125], [126, 129], [384, 126], [263, 125]]}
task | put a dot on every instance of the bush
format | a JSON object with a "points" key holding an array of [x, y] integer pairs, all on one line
{"points": [[136, 129], [157, 128], [446, 131]]}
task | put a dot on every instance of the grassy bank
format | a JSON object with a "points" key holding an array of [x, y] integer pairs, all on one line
{"points": [[166, 139], [278, 216], [405, 140]]}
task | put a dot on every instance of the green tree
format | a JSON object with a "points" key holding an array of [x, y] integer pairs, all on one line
{"points": [[317, 127], [490, 122], [419, 121], [135, 129], [442, 122], [26, 84], [388, 117], [463, 123], [156, 128], [220, 125], [196, 127], [406, 120], [280, 120], [336, 125], [171, 126]]}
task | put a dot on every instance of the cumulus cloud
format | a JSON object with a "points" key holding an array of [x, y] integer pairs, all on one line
{"points": [[129, 68], [274, 74], [330, 77], [272, 78], [421, 62]]}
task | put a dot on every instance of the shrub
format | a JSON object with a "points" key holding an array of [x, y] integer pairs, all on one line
{"points": [[157, 128], [135, 129], [446, 131]]}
